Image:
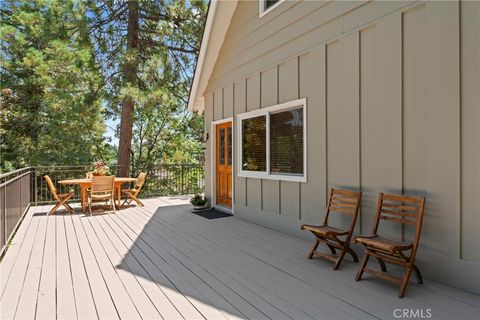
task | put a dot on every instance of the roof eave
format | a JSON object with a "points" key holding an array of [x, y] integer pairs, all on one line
{"points": [[216, 26]]}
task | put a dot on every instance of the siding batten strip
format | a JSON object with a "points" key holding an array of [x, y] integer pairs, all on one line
{"points": [[442, 100], [304, 145], [260, 107], [402, 111], [360, 213], [325, 66], [279, 182], [234, 150], [246, 179], [460, 173]]}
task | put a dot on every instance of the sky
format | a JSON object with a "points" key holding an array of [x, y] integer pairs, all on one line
{"points": [[110, 132]]}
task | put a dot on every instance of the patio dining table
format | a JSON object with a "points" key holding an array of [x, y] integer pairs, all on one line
{"points": [[85, 183]]}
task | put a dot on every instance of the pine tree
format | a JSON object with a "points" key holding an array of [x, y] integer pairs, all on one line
{"points": [[148, 49], [51, 85]]}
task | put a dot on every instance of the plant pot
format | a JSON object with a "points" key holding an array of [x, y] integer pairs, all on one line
{"points": [[199, 207]]}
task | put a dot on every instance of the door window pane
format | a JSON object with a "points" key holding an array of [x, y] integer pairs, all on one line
{"points": [[286, 142], [254, 144], [230, 142], [222, 145]]}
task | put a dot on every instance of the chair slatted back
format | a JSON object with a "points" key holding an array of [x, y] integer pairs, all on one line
{"points": [[343, 201], [103, 184], [51, 187], [400, 209], [140, 181]]}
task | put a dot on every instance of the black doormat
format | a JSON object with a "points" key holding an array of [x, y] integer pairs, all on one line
{"points": [[211, 214]]}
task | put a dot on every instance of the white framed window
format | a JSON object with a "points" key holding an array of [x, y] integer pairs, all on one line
{"points": [[268, 5], [272, 142]]}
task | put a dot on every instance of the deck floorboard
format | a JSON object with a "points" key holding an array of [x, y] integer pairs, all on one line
{"points": [[161, 262]]}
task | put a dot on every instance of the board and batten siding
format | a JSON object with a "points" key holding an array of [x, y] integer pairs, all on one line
{"points": [[393, 105]]}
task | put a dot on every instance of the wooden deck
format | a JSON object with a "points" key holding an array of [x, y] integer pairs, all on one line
{"points": [[161, 261]]}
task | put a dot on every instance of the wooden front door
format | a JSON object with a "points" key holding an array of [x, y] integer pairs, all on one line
{"points": [[224, 159]]}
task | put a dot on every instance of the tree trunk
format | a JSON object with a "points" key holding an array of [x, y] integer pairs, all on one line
{"points": [[128, 104]]}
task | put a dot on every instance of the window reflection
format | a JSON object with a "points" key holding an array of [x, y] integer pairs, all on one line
{"points": [[254, 142], [286, 142]]}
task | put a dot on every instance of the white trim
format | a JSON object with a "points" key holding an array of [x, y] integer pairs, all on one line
{"points": [[262, 10], [266, 112], [213, 160], [220, 14], [201, 54], [224, 209]]}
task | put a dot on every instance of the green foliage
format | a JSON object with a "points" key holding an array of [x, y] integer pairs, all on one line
{"points": [[62, 76], [198, 200], [51, 111], [170, 32]]}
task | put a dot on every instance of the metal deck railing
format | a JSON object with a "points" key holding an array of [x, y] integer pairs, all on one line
{"points": [[22, 187]]}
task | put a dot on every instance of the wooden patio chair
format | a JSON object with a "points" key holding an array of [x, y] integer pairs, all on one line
{"points": [[103, 189], [132, 194], [340, 201], [61, 198], [399, 209]]}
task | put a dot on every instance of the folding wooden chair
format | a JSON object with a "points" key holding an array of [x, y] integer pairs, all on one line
{"points": [[341, 201], [103, 189], [61, 198], [132, 194], [400, 209]]}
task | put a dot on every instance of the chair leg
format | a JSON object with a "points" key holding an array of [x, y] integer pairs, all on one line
{"points": [[332, 249], [312, 249], [418, 275], [113, 205], [90, 205], [70, 210], [64, 203], [339, 259], [383, 266], [55, 208], [128, 200], [352, 253], [406, 278], [138, 201], [366, 256]]}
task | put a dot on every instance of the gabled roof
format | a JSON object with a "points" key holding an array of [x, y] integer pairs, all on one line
{"points": [[218, 20]]}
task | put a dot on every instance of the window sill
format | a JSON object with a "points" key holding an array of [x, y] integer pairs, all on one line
{"points": [[275, 177]]}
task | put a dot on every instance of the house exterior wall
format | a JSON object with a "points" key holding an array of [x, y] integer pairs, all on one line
{"points": [[393, 105]]}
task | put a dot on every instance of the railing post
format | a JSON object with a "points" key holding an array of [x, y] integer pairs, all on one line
{"points": [[183, 181], [35, 184], [3, 215]]}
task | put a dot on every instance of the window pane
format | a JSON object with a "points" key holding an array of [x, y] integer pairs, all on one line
{"points": [[230, 142], [222, 145], [269, 3], [286, 142], [254, 144]]}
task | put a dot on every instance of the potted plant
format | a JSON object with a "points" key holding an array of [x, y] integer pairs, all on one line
{"points": [[99, 169], [199, 202]]}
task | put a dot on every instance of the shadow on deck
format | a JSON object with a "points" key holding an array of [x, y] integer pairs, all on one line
{"points": [[162, 261]]}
